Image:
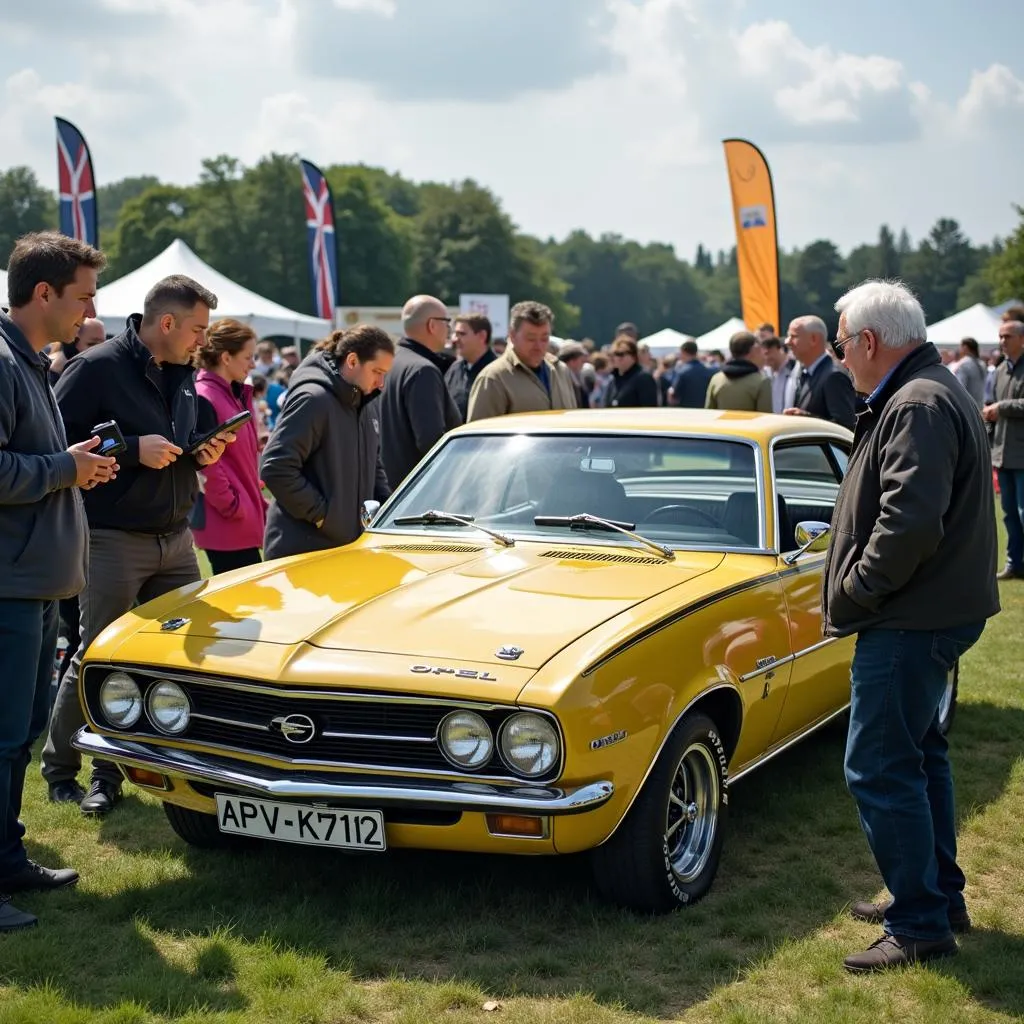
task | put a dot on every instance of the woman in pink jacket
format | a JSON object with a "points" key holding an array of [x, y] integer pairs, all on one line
{"points": [[231, 515]]}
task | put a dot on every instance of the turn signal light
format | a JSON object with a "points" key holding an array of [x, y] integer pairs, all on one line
{"points": [[516, 825], [144, 777]]}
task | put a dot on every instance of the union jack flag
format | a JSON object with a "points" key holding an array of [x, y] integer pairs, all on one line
{"points": [[323, 253], [76, 184]]}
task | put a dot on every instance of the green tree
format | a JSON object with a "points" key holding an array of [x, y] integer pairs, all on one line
{"points": [[110, 198], [148, 224], [1005, 270], [939, 267], [819, 277], [375, 244], [888, 259], [24, 206], [464, 242]]}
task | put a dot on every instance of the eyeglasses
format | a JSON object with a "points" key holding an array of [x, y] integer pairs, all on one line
{"points": [[446, 319], [839, 344]]}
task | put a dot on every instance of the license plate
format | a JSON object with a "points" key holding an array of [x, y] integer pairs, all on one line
{"points": [[301, 823]]}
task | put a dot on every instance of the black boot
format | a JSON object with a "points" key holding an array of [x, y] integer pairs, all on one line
{"points": [[101, 797]]}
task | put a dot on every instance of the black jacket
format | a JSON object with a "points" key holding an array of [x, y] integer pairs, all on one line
{"points": [[416, 409], [43, 541], [121, 381], [913, 541], [322, 461], [828, 394], [690, 386], [460, 377], [635, 388]]}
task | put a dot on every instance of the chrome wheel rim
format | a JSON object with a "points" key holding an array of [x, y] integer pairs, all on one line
{"points": [[947, 696], [692, 816]]}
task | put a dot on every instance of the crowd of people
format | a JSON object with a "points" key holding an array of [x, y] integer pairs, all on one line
{"points": [[114, 470]]}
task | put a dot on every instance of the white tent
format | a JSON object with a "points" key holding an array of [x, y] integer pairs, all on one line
{"points": [[978, 322], [719, 337], [3, 287], [665, 342], [118, 300]]}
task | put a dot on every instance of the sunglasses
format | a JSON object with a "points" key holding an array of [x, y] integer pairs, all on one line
{"points": [[838, 345]]}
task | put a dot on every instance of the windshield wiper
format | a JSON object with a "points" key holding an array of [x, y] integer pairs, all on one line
{"points": [[433, 516], [585, 521]]}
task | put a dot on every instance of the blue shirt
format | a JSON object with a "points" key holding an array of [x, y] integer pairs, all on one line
{"points": [[873, 397], [544, 374]]}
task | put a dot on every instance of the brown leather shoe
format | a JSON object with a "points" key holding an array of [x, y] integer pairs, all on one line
{"points": [[898, 951], [874, 913], [1009, 573]]}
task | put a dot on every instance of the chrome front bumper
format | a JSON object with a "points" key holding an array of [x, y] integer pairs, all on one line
{"points": [[257, 779]]}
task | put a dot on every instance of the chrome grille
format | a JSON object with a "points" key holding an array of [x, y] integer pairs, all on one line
{"points": [[355, 730]]}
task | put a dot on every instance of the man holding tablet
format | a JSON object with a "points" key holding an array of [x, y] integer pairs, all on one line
{"points": [[140, 545]]}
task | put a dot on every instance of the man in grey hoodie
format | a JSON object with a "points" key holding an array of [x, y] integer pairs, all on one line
{"points": [[323, 459], [51, 282]]}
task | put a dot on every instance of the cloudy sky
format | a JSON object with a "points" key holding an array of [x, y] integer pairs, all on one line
{"points": [[606, 115]]}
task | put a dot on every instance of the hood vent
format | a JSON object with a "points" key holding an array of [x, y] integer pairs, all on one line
{"points": [[431, 549], [602, 556]]}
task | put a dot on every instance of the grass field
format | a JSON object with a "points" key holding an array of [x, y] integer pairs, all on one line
{"points": [[159, 932]]}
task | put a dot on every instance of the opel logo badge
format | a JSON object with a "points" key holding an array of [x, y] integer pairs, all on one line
{"points": [[295, 728], [172, 624], [509, 652]]}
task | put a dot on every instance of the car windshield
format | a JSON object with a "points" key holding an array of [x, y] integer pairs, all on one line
{"points": [[678, 491]]}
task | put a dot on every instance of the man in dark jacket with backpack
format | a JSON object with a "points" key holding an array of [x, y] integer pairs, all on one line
{"points": [[323, 459]]}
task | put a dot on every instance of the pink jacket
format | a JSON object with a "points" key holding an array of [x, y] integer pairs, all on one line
{"points": [[236, 511]]}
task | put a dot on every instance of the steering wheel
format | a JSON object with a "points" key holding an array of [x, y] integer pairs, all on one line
{"points": [[669, 513]]}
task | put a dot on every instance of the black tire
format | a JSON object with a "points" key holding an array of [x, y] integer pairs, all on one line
{"points": [[199, 829], [947, 707], [652, 863]]}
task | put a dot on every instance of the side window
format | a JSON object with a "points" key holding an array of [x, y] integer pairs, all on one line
{"points": [[842, 458], [806, 486]]}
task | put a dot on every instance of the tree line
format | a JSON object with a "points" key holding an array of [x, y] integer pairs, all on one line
{"points": [[397, 237]]}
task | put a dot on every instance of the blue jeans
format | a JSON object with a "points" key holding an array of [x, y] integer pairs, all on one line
{"points": [[1011, 495], [28, 645], [897, 768]]}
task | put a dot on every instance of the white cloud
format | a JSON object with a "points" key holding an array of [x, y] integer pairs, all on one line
{"points": [[385, 8], [612, 122]]}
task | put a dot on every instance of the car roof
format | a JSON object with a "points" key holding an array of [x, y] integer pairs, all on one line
{"points": [[755, 426]]}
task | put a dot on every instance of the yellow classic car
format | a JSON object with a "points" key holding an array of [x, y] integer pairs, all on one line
{"points": [[564, 632]]}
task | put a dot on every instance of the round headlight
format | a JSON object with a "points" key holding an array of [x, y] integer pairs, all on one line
{"points": [[120, 700], [466, 739], [168, 706], [529, 744]]}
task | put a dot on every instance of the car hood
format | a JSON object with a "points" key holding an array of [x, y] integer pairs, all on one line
{"points": [[436, 603]]}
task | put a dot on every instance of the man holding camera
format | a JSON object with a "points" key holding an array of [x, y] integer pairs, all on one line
{"points": [[140, 546], [51, 283]]}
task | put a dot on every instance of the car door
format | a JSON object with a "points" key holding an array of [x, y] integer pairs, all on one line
{"points": [[806, 474]]}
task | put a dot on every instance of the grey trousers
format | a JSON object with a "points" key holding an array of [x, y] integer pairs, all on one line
{"points": [[124, 569]]}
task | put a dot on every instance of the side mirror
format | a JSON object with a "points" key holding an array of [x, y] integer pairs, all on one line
{"points": [[811, 537], [370, 509]]}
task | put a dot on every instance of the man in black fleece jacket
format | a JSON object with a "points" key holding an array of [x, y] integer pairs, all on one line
{"points": [[140, 546], [323, 459]]}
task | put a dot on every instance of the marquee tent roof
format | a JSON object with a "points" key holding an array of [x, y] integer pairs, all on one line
{"points": [[977, 321], [121, 298], [1004, 306], [719, 337], [665, 342]]}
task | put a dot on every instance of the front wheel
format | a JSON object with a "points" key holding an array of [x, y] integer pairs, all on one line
{"points": [[947, 706], [665, 854]]}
